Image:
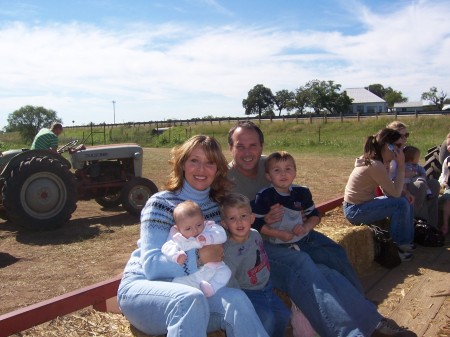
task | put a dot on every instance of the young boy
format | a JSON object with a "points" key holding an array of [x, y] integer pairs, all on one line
{"points": [[281, 171], [248, 261], [413, 171], [191, 231], [444, 180]]}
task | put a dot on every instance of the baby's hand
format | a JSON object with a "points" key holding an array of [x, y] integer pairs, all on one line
{"points": [[201, 238], [181, 259]]}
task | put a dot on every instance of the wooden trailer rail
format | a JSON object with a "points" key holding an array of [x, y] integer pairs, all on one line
{"points": [[95, 295]]}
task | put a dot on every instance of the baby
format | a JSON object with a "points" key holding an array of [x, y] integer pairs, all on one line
{"points": [[191, 231], [413, 171]]}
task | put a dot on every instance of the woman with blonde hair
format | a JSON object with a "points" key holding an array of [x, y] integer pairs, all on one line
{"points": [[425, 203], [147, 297]]}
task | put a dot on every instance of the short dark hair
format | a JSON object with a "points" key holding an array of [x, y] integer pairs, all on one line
{"points": [[277, 157], [249, 125], [410, 152]]}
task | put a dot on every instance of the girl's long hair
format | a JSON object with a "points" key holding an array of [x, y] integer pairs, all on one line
{"points": [[374, 144]]}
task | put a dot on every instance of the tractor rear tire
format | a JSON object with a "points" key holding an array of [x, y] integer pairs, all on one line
{"points": [[135, 194], [40, 194]]}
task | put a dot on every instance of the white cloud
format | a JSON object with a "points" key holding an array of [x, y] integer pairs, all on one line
{"points": [[179, 71]]}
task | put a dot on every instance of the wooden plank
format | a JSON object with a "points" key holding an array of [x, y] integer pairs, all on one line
{"points": [[25, 318], [405, 292], [330, 204]]}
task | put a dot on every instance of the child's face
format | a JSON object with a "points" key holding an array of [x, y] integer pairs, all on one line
{"points": [[191, 226], [281, 174], [238, 221]]}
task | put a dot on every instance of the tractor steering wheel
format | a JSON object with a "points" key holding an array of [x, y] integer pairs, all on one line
{"points": [[68, 146]]}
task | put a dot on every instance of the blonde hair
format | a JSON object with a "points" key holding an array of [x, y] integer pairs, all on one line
{"points": [[277, 157], [234, 200], [179, 155], [186, 209], [396, 125]]}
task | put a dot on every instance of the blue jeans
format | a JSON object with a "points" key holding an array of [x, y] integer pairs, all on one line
{"points": [[323, 250], [159, 307], [272, 312], [333, 306], [399, 211]]}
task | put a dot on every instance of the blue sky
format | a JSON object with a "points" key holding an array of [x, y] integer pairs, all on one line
{"points": [[193, 58]]}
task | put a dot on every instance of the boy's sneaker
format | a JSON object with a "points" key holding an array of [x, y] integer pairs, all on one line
{"points": [[404, 256], [388, 327], [409, 248]]}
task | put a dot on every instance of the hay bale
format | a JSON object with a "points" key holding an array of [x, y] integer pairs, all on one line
{"points": [[357, 240]]}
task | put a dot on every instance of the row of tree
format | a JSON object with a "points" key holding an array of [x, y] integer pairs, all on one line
{"points": [[323, 96]]}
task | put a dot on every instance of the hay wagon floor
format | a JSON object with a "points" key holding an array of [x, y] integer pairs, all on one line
{"points": [[415, 294]]}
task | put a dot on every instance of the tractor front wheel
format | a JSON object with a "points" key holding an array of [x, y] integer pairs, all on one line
{"points": [[135, 194]]}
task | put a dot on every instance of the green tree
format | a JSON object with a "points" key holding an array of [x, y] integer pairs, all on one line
{"points": [[282, 100], [28, 120], [377, 89], [434, 97], [326, 95], [390, 95], [259, 100], [301, 100]]}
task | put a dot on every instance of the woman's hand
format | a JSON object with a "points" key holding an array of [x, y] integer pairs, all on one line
{"points": [[211, 253]]}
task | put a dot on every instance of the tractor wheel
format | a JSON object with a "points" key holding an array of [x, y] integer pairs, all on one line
{"points": [[40, 194], [135, 194], [110, 200], [432, 164]]}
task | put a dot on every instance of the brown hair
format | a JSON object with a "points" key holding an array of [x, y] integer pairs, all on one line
{"points": [[375, 143], [235, 200], [213, 152], [276, 157], [56, 126], [410, 152], [186, 209], [245, 125]]}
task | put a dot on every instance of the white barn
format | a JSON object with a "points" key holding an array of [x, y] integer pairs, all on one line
{"points": [[365, 102]]}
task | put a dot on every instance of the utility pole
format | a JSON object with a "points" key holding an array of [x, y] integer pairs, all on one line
{"points": [[114, 110]]}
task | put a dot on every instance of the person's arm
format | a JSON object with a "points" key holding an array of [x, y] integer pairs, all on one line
{"points": [[307, 226], [260, 207], [212, 234], [155, 227], [283, 235], [379, 174], [444, 177]]}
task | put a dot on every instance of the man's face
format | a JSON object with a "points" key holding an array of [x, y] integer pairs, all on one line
{"points": [[246, 151]]}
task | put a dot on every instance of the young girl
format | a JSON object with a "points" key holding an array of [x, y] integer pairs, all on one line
{"points": [[360, 203], [191, 231]]}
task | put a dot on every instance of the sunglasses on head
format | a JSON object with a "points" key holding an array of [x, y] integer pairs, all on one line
{"points": [[406, 135]]}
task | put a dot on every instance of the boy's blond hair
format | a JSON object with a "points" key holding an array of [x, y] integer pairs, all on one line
{"points": [[234, 200], [186, 209], [277, 157]]}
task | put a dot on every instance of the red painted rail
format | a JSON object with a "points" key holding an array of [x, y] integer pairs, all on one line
{"points": [[95, 295]]}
